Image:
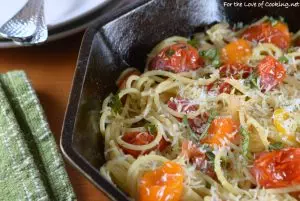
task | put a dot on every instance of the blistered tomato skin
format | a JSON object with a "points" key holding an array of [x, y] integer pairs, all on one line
{"points": [[236, 71], [163, 184], [266, 33], [220, 130], [184, 105], [141, 138], [197, 158], [271, 73], [277, 168], [180, 57]]}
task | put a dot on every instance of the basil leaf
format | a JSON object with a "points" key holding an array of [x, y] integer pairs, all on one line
{"points": [[211, 117], [170, 52], [283, 59], [193, 42], [192, 135], [245, 142], [276, 146], [115, 104], [151, 128]]}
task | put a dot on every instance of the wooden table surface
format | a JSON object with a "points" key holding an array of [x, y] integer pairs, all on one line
{"points": [[50, 68]]}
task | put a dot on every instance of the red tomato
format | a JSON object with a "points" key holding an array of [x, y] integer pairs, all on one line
{"points": [[271, 73], [184, 105], [225, 88], [121, 82], [277, 168], [236, 71], [266, 33], [163, 184], [177, 58], [196, 157], [141, 138]]}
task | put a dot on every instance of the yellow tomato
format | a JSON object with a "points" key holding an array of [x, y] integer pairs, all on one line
{"points": [[237, 51], [285, 124]]}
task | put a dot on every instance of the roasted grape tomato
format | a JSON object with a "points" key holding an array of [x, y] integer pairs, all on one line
{"points": [[180, 57], [162, 184], [141, 138], [271, 73], [266, 33], [280, 168], [221, 130], [238, 51]]}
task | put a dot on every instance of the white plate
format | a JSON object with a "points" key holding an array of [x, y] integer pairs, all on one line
{"points": [[63, 17]]}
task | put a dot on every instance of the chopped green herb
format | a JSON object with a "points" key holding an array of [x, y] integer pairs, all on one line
{"points": [[209, 54], [170, 52], [283, 59], [151, 128], [193, 42], [192, 135], [115, 104], [276, 146], [211, 117], [273, 21], [252, 81], [209, 152], [212, 55], [210, 155], [245, 142], [216, 62]]}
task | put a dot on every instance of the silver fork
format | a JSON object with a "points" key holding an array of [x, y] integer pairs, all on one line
{"points": [[28, 25], [40, 35]]}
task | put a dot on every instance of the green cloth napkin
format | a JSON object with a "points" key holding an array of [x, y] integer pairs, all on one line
{"points": [[31, 167]]}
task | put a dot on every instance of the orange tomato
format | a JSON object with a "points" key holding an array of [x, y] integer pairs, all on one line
{"points": [[177, 58], [196, 157], [121, 82], [163, 184], [141, 138], [237, 51], [266, 33], [271, 72], [220, 129], [277, 168]]}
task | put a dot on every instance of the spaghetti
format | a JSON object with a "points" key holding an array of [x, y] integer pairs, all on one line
{"points": [[215, 117]]}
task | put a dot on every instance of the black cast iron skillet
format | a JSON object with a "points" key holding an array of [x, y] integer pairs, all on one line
{"points": [[123, 39]]}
